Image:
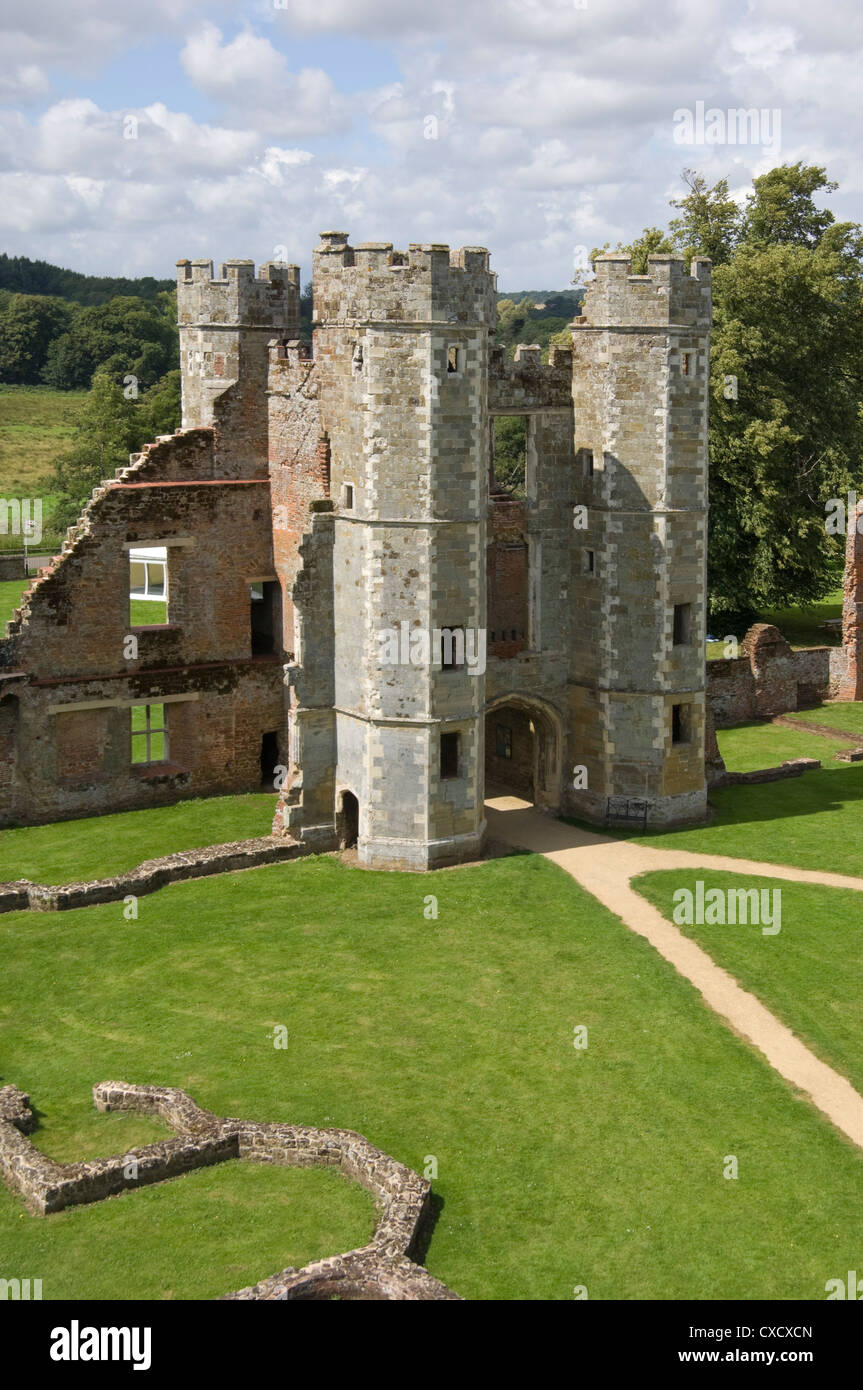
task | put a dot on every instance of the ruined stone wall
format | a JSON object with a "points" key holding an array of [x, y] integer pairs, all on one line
{"points": [[74, 675], [769, 678]]}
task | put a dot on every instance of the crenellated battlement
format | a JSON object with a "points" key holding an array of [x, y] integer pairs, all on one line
{"points": [[428, 283], [668, 296], [527, 383], [239, 297]]}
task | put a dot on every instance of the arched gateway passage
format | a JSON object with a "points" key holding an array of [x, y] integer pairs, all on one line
{"points": [[524, 750]]}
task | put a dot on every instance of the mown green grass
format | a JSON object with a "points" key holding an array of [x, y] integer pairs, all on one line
{"points": [[846, 717], [100, 846], [146, 611], [814, 821], [447, 1038], [10, 598], [801, 625], [810, 974], [751, 747]]}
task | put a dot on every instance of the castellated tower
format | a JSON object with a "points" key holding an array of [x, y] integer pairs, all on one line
{"points": [[225, 325], [388, 723], [640, 401]]}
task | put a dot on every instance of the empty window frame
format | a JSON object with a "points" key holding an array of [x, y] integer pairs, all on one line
{"points": [[452, 648], [264, 616], [587, 463], [687, 364], [682, 624], [588, 562], [454, 359], [149, 734], [348, 497], [449, 756], [148, 586], [681, 724]]}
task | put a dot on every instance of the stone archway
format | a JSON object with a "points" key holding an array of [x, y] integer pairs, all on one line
{"points": [[348, 820], [524, 749]]}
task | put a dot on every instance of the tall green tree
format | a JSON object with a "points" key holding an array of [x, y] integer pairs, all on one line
{"points": [[124, 338], [109, 428], [786, 428], [786, 386], [28, 325]]}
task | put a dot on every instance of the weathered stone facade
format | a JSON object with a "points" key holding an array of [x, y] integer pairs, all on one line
{"points": [[352, 484]]}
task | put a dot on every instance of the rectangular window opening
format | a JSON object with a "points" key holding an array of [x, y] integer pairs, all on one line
{"points": [[348, 497], [453, 360], [588, 562], [148, 586], [449, 754], [149, 734], [452, 656], [265, 613], [680, 724], [682, 624], [508, 473]]}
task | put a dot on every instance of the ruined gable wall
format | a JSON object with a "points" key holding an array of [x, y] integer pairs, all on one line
{"points": [[76, 685]]}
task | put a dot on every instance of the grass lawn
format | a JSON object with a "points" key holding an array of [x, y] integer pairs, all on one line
{"points": [[814, 821], [750, 747], [449, 1038], [801, 626], [846, 716], [810, 974], [36, 423], [10, 597], [100, 846], [146, 611]]}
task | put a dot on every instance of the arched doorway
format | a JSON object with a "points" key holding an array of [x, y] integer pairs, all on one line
{"points": [[523, 750], [348, 820]]}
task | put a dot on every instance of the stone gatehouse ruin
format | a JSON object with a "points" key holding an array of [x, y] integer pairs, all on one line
{"points": [[355, 606]]}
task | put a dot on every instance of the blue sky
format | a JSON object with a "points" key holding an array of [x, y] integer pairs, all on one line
{"points": [[539, 128]]}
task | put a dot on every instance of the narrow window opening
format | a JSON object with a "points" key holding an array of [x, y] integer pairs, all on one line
{"points": [[589, 562], [682, 624], [449, 753], [269, 759], [348, 497], [453, 363], [509, 456], [680, 724], [263, 605], [452, 648]]}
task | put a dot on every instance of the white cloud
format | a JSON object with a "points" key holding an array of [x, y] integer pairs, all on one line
{"points": [[252, 80], [552, 126]]}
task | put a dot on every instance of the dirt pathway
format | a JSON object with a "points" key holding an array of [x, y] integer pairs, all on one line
{"points": [[604, 866]]}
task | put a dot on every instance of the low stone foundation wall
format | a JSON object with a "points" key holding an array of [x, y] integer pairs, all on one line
{"points": [[382, 1269], [151, 875], [794, 767]]}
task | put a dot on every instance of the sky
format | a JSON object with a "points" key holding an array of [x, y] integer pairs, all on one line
{"points": [[134, 133]]}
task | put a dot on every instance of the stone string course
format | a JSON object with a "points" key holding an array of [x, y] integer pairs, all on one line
{"points": [[150, 876], [383, 1269]]}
